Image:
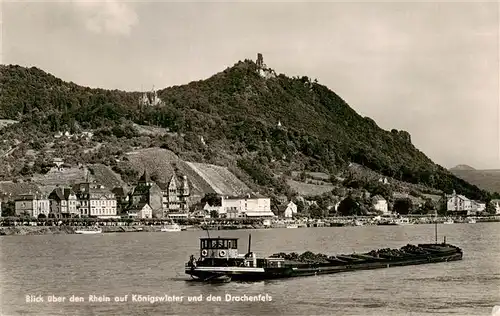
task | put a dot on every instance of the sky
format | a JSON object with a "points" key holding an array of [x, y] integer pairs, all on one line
{"points": [[429, 68]]}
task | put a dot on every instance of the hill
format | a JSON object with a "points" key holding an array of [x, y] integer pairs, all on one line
{"points": [[245, 118], [485, 179], [462, 167]]}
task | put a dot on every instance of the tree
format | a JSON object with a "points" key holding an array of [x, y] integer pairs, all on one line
{"points": [[403, 206], [8, 209], [300, 206], [429, 206], [213, 199], [349, 206], [316, 211], [490, 208]]}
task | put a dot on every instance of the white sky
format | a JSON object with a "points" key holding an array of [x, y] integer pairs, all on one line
{"points": [[429, 68]]}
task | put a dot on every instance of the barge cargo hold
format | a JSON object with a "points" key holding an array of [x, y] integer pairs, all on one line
{"points": [[219, 260]]}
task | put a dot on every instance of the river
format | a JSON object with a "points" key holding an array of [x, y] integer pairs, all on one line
{"points": [[119, 264]]}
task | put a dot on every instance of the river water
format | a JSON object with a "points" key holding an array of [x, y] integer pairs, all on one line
{"points": [[115, 265]]}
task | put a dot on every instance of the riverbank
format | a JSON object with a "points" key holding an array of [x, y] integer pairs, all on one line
{"points": [[70, 229], [57, 230]]}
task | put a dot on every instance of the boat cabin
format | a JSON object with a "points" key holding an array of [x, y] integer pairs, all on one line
{"points": [[219, 247], [224, 252]]}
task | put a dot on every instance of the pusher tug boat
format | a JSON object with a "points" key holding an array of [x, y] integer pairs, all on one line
{"points": [[220, 261]]}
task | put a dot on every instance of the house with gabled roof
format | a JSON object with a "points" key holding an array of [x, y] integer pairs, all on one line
{"points": [[175, 195], [142, 210], [146, 191], [380, 204], [63, 203]]}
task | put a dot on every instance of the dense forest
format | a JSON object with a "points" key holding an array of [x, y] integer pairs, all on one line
{"points": [[263, 122]]}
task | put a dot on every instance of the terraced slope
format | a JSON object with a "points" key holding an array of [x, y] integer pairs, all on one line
{"points": [[221, 180], [161, 164]]}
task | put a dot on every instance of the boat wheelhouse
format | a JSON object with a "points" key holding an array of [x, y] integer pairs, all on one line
{"points": [[219, 257]]}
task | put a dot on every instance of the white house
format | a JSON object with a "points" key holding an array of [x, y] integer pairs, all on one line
{"points": [[247, 206], [291, 209], [95, 200], [383, 180], [141, 211], [380, 204], [458, 203]]}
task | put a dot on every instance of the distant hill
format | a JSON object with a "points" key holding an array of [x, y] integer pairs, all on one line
{"points": [[246, 118], [485, 179], [462, 167]]}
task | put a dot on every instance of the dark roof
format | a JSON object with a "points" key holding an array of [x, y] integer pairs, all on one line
{"points": [[61, 193], [163, 186], [137, 207], [141, 189], [145, 177]]}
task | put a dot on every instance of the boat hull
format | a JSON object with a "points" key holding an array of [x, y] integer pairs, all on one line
{"points": [[88, 232], [298, 270]]}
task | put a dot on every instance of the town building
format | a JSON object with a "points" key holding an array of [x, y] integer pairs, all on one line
{"points": [[32, 205], [63, 203], [142, 211], [95, 200], [479, 206], [122, 199], [246, 206], [461, 205], [380, 204], [383, 180], [209, 209], [175, 197], [150, 99], [458, 204], [148, 192], [290, 210]]}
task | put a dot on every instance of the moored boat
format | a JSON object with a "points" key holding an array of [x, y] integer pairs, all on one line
{"points": [[471, 220], [292, 226], [88, 231], [219, 257], [171, 228], [449, 221], [403, 221]]}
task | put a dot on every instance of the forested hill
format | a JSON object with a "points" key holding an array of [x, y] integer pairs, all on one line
{"points": [[263, 122]]}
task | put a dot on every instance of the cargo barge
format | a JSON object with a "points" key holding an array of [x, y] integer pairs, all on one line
{"points": [[219, 260]]}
